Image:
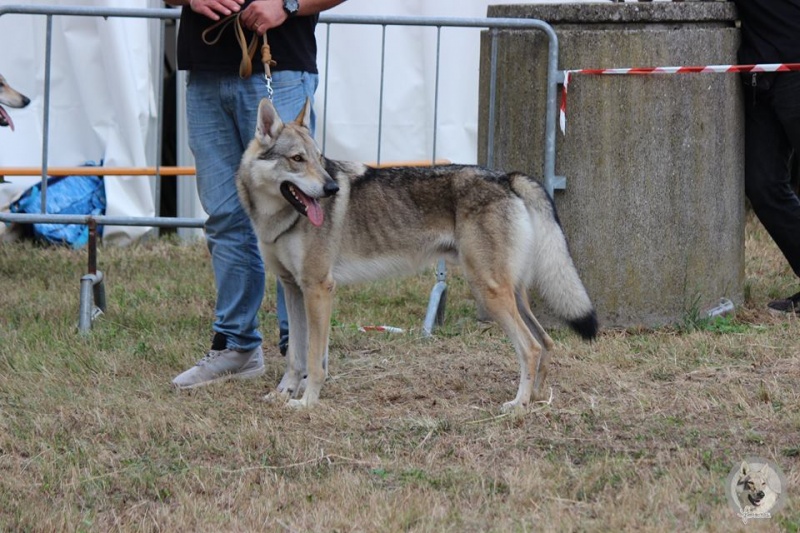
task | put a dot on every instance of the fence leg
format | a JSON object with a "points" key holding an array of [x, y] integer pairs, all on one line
{"points": [[437, 302], [93, 292], [93, 301]]}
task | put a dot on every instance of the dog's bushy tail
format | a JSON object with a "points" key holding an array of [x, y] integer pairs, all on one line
{"points": [[552, 271]]}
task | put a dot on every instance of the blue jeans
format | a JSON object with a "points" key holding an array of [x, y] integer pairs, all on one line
{"points": [[221, 112]]}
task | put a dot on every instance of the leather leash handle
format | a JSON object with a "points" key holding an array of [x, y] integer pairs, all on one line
{"points": [[213, 33]]}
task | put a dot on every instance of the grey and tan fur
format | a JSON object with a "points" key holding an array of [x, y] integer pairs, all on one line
{"points": [[322, 222], [11, 98]]}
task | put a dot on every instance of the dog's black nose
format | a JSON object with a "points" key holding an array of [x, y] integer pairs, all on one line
{"points": [[760, 495], [330, 188], [25, 101]]}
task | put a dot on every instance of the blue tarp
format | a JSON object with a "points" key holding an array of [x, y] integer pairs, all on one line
{"points": [[68, 195]]}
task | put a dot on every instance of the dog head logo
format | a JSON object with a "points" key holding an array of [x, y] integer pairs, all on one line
{"points": [[285, 158], [11, 98], [756, 489]]}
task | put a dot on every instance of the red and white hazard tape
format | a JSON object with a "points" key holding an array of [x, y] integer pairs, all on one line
{"points": [[764, 67]]}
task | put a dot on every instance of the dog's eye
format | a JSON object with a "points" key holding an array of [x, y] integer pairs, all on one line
{"points": [[298, 158]]}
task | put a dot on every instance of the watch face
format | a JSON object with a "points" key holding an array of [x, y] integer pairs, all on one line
{"points": [[291, 6]]}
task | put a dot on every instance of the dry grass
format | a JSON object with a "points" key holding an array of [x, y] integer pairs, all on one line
{"points": [[643, 427]]}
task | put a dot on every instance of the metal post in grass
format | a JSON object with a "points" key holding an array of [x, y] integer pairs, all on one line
{"points": [[434, 317], [93, 293]]}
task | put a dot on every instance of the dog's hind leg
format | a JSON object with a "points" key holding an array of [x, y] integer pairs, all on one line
{"points": [[318, 300], [524, 309], [499, 301]]}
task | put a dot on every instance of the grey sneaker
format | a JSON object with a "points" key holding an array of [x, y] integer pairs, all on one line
{"points": [[222, 364]]}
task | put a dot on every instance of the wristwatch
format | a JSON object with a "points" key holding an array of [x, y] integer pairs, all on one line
{"points": [[291, 7]]}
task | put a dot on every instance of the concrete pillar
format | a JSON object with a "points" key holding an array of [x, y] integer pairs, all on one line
{"points": [[654, 202]]}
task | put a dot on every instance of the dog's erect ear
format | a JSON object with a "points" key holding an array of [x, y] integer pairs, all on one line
{"points": [[269, 124], [304, 118], [745, 469]]}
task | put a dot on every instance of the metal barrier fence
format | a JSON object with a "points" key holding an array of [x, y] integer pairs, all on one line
{"points": [[92, 291]]}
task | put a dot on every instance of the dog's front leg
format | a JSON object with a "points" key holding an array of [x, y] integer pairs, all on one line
{"points": [[318, 300], [291, 383]]}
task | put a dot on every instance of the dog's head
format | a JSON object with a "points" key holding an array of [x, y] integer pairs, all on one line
{"points": [[283, 157], [10, 98], [752, 486]]}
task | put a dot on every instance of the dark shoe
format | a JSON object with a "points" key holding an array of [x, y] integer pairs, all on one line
{"points": [[787, 305]]}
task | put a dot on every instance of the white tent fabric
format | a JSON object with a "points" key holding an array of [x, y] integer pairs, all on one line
{"points": [[105, 72]]}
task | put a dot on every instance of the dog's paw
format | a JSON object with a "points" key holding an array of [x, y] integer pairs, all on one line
{"points": [[287, 392], [513, 406], [291, 385], [276, 396], [298, 404]]}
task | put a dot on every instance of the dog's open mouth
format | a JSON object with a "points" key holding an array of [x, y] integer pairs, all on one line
{"points": [[304, 204], [5, 119]]}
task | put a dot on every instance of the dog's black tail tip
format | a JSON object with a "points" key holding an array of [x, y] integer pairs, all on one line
{"points": [[586, 326]]}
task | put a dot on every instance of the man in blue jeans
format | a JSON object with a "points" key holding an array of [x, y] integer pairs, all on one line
{"points": [[221, 109], [771, 34]]}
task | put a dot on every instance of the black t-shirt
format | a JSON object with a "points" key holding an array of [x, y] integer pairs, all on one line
{"points": [[770, 31], [292, 45]]}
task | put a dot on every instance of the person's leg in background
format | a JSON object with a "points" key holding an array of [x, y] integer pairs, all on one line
{"points": [[772, 132]]}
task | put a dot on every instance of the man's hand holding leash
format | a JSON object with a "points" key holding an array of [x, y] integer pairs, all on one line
{"points": [[213, 9]]}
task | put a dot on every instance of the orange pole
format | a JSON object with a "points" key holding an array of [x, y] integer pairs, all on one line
{"points": [[98, 171], [164, 171]]}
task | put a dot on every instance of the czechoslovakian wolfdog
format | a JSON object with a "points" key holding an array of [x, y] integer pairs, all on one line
{"points": [[752, 489], [321, 222], [10, 98]]}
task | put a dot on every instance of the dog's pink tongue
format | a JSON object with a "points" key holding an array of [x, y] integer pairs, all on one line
{"points": [[7, 118], [314, 212], [313, 209]]}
